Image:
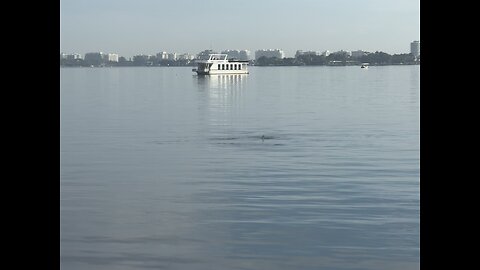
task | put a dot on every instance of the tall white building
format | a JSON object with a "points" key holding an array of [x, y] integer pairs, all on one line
{"points": [[415, 48], [270, 53], [71, 56], [112, 57], [300, 52], [162, 55]]}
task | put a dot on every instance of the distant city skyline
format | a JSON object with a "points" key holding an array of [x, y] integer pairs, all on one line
{"points": [[238, 54], [129, 28]]}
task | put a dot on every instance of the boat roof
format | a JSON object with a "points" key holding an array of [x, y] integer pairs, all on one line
{"points": [[220, 57], [217, 56]]}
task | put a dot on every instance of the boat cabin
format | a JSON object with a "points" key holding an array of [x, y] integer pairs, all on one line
{"points": [[219, 64]]}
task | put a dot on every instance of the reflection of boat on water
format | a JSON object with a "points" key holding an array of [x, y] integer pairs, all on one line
{"points": [[223, 93], [364, 65], [219, 64], [222, 81]]}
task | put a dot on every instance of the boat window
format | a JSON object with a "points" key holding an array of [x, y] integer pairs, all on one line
{"points": [[223, 66], [218, 66]]}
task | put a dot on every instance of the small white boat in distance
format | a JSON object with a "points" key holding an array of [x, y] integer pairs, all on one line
{"points": [[219, 64], [364, 65]]}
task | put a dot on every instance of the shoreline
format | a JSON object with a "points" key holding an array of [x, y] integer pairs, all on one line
{"points": [[370, 65]]}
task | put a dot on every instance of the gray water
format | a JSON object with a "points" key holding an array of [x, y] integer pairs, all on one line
{"points": [[283, 168]]}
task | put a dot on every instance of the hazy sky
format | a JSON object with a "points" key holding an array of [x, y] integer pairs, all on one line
{"points": [[130, 27]]}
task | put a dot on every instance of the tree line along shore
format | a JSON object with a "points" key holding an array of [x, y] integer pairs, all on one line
{"points": [[376, 58]]}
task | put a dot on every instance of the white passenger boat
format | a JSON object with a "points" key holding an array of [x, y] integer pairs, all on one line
{"points": [[219, 64]]}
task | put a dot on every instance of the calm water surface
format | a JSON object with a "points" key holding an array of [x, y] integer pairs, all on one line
{"points": [[284, 168]]}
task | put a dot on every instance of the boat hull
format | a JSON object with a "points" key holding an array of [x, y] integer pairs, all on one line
{"points": [[217, 72]]}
